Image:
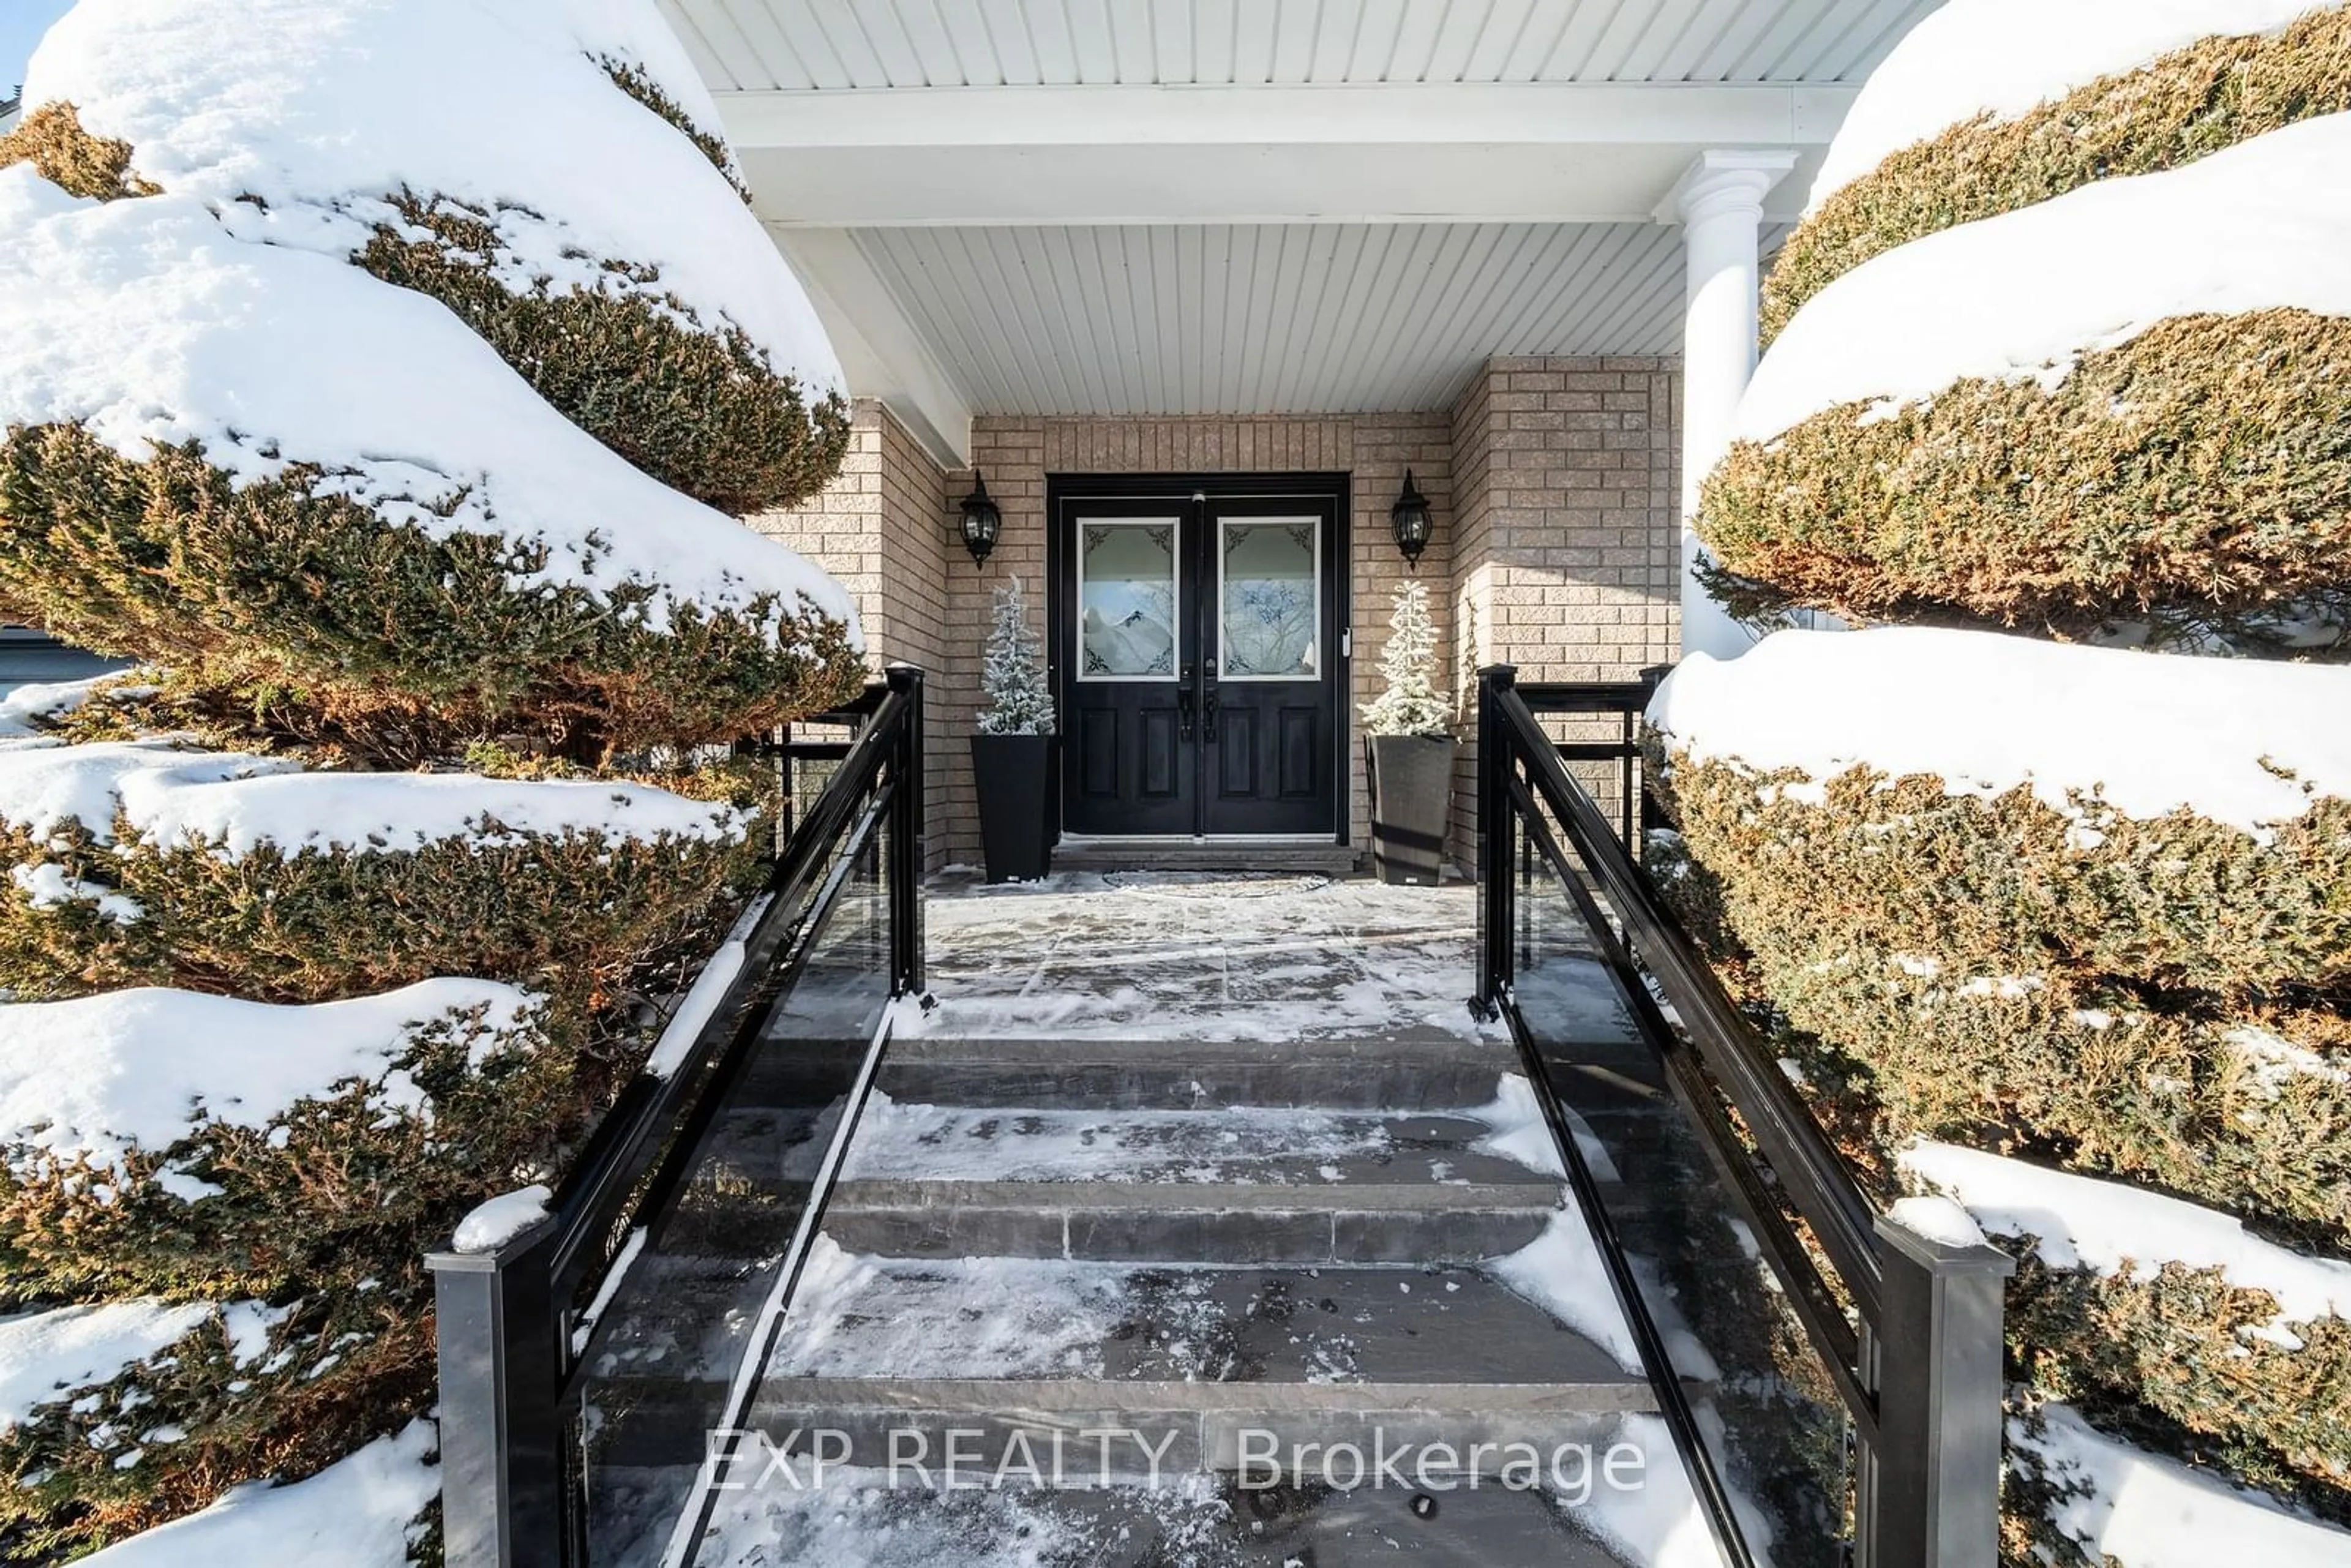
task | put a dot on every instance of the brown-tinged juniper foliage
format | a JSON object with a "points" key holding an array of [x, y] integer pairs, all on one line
{"points": [[2198, 477], [2184, 105]]}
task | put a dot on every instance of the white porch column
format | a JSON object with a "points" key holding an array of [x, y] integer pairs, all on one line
{"points": [[1719, 201]]}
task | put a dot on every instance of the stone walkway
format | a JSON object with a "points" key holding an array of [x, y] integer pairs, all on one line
{"points": [[1196, 1156], [1202, 955]]}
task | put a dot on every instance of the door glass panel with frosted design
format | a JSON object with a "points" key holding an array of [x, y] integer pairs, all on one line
{"points": [[1126, 599], [1270, 611]]}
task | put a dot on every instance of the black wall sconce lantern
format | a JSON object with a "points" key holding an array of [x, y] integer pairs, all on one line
{"points": [[1409, 516], [982, 521]]}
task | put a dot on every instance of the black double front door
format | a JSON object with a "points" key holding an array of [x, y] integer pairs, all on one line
{"points": [[1198, 643]]}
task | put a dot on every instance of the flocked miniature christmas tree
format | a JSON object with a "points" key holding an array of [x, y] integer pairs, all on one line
{"points": [[1018, 701], [1411, 705]]}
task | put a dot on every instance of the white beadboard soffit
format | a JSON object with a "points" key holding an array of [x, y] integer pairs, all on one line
{"points": [[794, 45], [1302, 317]]}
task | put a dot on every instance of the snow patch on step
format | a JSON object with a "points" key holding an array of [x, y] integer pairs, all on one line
{"points": [[964, 1317], [903, 1140]]}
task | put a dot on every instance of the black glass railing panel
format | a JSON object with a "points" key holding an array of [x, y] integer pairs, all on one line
{"points": [[1764, 1404], [668, 1351]]}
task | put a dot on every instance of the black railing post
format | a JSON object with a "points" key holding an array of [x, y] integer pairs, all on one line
{"points": [[1927, 1494], [1495, 918], [501, 1437], [906, 848]]}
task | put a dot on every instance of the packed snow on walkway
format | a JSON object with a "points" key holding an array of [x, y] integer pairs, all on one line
{"points": [[2021, 297], [1986, 713], [2005, 57], [1229, 1144], [1185, 955]]}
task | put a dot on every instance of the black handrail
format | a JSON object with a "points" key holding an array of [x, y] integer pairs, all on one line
{"points": [[510, 1316], [1917, 1364]]}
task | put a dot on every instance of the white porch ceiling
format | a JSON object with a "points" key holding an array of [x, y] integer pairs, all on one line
{"points": [[1201, 206], [791, 45], [1305, 317]]}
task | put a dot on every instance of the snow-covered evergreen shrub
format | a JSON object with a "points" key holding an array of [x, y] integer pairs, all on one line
{"points": [[2078, 911], [2079, 905], [231, 874], [369, 552], [2196, 480], [2122, 410], [328, 1140], [51, 139], [511, 574], [672, 332], [1020, 701], [1409, 702], [638, 83], [2184, 1361], [2137, 119]]}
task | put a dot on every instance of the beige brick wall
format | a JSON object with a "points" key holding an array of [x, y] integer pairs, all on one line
{"points": [[879, 527], [1016, 454], [1567, 552], [1550, 481]]}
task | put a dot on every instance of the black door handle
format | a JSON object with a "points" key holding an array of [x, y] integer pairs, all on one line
{"points": [[1183, 710], [1208, 702]]}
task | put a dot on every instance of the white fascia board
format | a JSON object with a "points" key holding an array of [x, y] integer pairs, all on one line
{"points": [[882, 353], [1553, 114], [1531, 152]]}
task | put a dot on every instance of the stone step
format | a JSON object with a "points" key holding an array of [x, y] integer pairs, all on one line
{"points": [[1411, 1070], [1231, 1186], [1126, 1222], [1171, 854], [859, 1517], [1201, 1356]]}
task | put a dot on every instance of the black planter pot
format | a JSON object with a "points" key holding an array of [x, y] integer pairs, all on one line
{"points": [[1412, 802], [1015, 775]]}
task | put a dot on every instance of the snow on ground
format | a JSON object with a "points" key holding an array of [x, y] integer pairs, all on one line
{"points": [[21, 705], [234, 802], [1986, 712], [100, 1076], [2004, 57], [326, 107], [1197, 956], [2086, 1223], [1659, 1524], [2021, 297], [144, 322], [1520, 1134], [2143, 1511], [356, 1513], [44, 1354]]}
